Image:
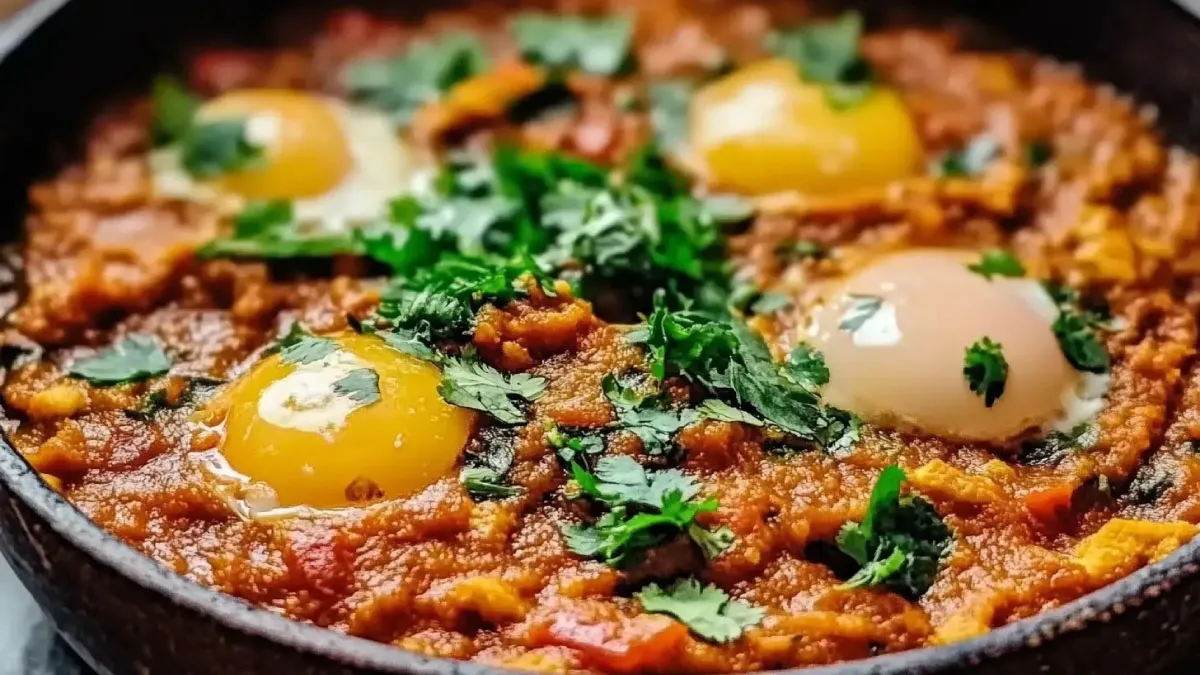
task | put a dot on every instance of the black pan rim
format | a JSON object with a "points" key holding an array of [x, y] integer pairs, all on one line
{"points": [[21, 481]]}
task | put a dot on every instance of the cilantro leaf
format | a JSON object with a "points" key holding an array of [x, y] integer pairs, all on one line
{"points": [[422, 74], [806, 367], [360, 385], [986, 370], [669, 104], [174, 109], [211, 149], [268, 230], [600, 46], [708, 611], [476, 385], [1077, 330], [828, 53], [134, 358], [649, 417], [998, 263], [1050, 450], [716, 409], [486, 483], [970, 161], [644, 508], [300, 347], [862, 308], [901, 541], [573, 448], [411, 342]]}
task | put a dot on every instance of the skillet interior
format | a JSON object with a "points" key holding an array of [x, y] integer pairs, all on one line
{"points": [[132, 41]]}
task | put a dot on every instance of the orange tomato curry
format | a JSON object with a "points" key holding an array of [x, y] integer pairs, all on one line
{"points": [[623, 337]]}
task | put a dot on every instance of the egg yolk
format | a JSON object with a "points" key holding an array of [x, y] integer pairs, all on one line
{"points": [[293, 428], [763, 129], [895, 334], [304, 147]]}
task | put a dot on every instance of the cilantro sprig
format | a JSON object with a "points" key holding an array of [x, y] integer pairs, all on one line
{"points": [[707, 610], [644, 508], [997, 263], [131, 359], [986, 370], [1078, 328], [269, 229], [650, 418], [473, 384], [901, 541], [208, 148]]}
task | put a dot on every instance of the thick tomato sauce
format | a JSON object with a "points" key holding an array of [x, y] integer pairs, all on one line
{"points": [[493, 581]]}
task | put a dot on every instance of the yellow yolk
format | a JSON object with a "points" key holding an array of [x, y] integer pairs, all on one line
{"points": [[305, 150], [288, 427], [895, 334], [762, 129]]}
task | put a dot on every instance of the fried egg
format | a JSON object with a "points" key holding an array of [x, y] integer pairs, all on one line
{"points": [[895, 333], [286, 438], [764, 129], [338, 164]]}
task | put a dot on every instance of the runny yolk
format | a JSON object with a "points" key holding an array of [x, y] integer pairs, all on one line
{"points": [[305, 150], [762, 129], [895, 334], [289, 427]]}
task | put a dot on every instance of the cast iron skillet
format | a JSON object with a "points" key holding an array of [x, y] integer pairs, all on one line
{"points": [[126, 614]]}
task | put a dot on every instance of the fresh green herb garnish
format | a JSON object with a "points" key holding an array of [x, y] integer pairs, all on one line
{"points": [[1077, 330], [360, 385], [484, 483], [212, 149], [426, 71], [268, 230], [299, 347], [476, 385], [1056, 445], [132, 359], [573, 448], [648, 417], [708, 611], [971, 161], [986, 370], [669, 104], [158, 400], [803, 249], [806, 367], [901, 541], [998, 263], [644, 509], [174, 110], [862, 308], [770, 303], [600, 46], [716, 409], [828, 53]]}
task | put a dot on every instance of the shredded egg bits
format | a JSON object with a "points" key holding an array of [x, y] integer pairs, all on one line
{"points": [[338, 164], [895, 333], [289, 436], [763, 129]]}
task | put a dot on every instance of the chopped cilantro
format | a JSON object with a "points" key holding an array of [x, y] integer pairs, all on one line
{"points": [[645, 507], [300, 347], [828, 53], [716, 409], [268, 230], [901, 541], [647, 417], [708, 611], [998, 263], [134, 358], [573, 448], [1056, 445], [159, 400], [806, 367], [600, 46], [422, 74], [360, 385], [1077, 330], [862, 308], [476, 385], [770, 303], [411, 342], [484, 483], [174, 110], [212, 149], [970, 161], [986, 370], [669, 104]]}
